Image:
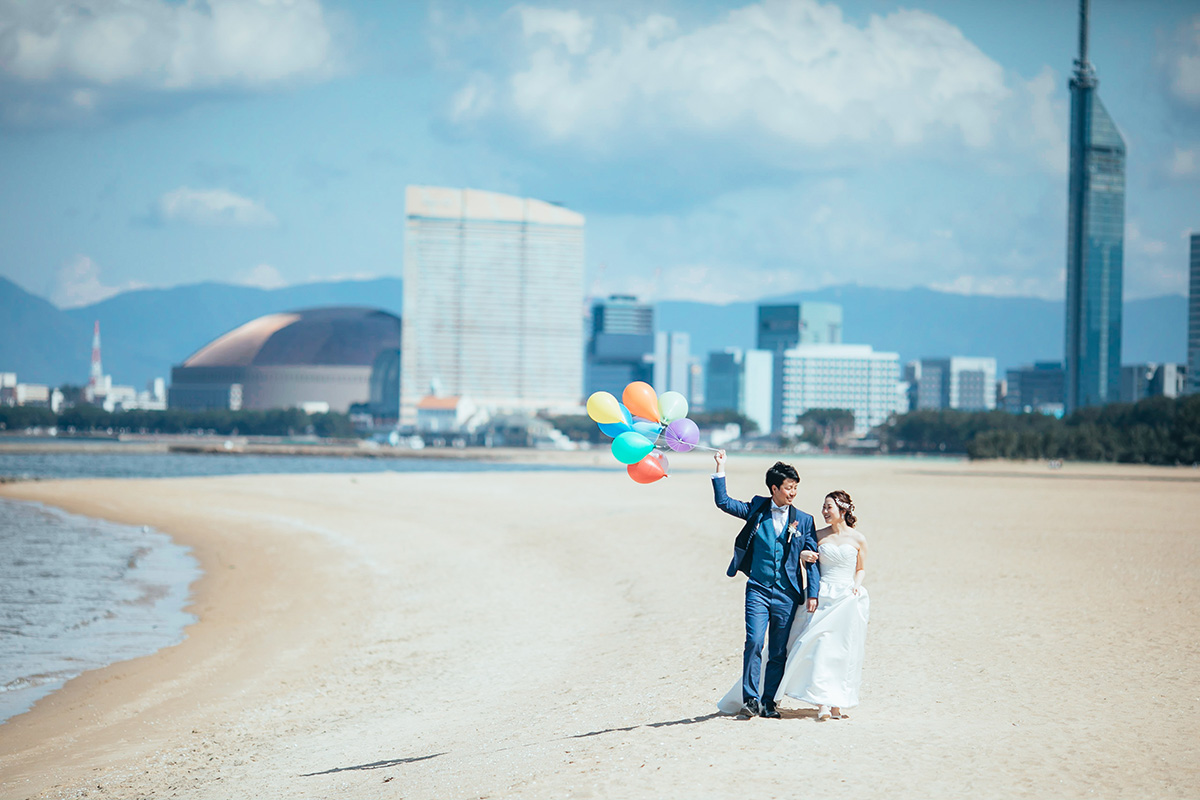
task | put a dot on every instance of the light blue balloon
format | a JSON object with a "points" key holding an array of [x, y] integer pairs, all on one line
{"points": [[615, 429], [649, 429], [631, 447]]}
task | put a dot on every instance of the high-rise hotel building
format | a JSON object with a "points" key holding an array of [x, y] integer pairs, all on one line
{"points": [[493, 294], [1095, 241]]}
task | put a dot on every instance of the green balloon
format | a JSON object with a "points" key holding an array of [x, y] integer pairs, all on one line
{"points": [[672, 406], [631, 447]]}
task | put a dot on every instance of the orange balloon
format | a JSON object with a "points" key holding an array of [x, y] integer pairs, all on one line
{"points": [[650, 469], [640, 399]]}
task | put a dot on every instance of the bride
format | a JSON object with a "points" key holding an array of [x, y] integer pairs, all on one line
{"points": [[825, 648]]}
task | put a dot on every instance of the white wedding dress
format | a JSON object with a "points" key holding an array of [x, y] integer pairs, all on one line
{"points": [[825, 648]]}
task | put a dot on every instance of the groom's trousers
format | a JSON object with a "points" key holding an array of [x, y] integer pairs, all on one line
{"points": [[769, 614]]}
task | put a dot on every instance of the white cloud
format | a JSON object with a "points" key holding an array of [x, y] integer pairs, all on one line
{"points": [[212, 207], [752, 243], [1183, 63], [1138, 244], [780, 77], [77, 283], [1184, 163], [567, 28], [263, 276], [1005, 286], [51, 50]]}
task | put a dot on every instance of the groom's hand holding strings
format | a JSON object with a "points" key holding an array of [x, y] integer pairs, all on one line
{"points": [[719, 457]]}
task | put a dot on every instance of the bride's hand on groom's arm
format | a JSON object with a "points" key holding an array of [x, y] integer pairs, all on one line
{"points": [[808, 556]]}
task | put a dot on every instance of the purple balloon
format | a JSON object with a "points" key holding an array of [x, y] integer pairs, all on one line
{"points": [[682, 435]]}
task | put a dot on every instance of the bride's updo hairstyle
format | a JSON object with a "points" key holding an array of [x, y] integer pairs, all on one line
{"points": [[842, 500]]}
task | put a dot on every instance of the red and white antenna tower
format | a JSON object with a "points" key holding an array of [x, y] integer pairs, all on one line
{"points": [[97, 373]]}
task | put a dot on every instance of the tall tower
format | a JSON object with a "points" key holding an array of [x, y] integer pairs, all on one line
{"points": [[1095, 241], [96, 378]]}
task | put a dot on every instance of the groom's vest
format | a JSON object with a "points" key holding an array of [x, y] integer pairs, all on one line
{"points": [[743, 545]]}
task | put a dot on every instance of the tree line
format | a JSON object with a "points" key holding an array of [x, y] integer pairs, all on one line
{"points": [[91, 419], [1157, 430]]}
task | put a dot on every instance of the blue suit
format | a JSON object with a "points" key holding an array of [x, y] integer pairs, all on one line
{"points": [[770, 609]]}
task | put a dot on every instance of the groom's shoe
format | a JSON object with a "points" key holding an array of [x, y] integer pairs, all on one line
{"points": [[770, 712], [752, 708]]}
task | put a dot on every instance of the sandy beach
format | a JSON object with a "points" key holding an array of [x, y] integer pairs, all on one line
{"points": [[1034, 633]]}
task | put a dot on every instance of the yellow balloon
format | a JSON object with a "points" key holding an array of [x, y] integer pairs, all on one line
{"points": [[604, 408]]}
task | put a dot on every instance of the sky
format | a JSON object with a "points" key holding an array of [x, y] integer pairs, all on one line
{"points": [[719, 151]]}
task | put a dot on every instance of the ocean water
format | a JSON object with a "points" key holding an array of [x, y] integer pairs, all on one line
{"points": [[78, 593], [108, 464]]}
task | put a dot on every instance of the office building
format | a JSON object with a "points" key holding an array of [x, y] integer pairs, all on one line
{"points": [[1095, 241], [960, 382], [672, 363], [844, 376], [741, 381], [1139, 381], [37, 395], [787, 325], [723, 380], [493, 289], [781, 327], [1036, 387], [1193, 348], [620, 347]]}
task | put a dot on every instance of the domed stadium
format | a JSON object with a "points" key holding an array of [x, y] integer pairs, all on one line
{"points": [[334, 357]]}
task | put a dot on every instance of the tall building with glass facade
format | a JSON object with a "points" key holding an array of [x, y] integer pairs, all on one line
{"points": [[1095, 241], [1036, 387], [673, 363], [493, 294], [1193, 351], [846, 376], [781, 327], [620, 346], [962, 382], [740, 381]]}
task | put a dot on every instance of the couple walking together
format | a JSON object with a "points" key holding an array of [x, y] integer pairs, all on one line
{"points": [[804, 599]]}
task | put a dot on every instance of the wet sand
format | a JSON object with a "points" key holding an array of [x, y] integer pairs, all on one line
{"points": [[1034, 633]]}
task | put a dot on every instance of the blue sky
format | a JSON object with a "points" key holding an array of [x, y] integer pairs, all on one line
{"points": [[720, 151]]}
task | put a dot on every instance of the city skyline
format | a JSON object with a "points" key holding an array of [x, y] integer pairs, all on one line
{"points": [[285, 164]]}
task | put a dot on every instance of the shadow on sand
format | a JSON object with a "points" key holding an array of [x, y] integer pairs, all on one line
{"points": [[391, 762], [396, 762]]}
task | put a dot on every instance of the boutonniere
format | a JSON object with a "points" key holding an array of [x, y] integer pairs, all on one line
{"points": [[792, 529]]}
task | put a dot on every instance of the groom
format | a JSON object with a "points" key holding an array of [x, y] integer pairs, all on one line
{"points": [[767, 550]]}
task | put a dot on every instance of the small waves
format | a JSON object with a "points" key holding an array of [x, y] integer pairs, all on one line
{"points": [[78, 594]]}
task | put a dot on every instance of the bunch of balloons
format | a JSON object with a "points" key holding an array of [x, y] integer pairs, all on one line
{"points": [[637, 424]]}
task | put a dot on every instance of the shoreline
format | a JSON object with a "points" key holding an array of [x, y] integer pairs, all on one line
{"points": [[84, 713], [120, 597], [329, 660]]}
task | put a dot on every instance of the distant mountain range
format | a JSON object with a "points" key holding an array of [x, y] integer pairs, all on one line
{"points": [[146, 331]]}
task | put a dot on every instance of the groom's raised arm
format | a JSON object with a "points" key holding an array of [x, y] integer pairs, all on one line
{"points": [[726, 503]]}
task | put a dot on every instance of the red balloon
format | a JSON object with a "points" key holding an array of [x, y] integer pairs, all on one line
{"points": [[650, 469], [640, 399]]}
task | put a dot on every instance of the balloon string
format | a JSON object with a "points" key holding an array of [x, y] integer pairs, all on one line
{"points": [[702, 447]]}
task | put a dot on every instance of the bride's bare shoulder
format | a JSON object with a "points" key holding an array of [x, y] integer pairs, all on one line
{"points": [[823, 532]]}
